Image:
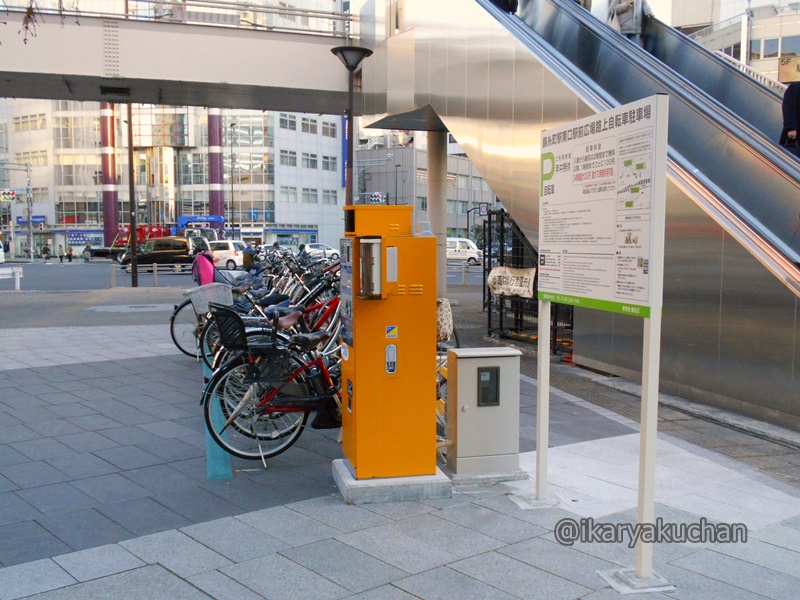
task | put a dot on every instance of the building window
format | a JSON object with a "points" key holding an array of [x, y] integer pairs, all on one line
{"points": [[310, 196], [462, 181], [288, 194], [29, 123], [755, 49], [329, 163], [288, 122], [422, 203], [452, 207], [790, 46], [770, 48], [288, 158], [329, 197], [37, 158], [3, 137], [309, 125], [422, 176], [309, 161], [329, 129], [451, 180]]}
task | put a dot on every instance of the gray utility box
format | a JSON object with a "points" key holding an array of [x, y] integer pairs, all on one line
{"points": [[483, 412]]}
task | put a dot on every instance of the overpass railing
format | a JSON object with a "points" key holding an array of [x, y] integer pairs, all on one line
{"points": [[192, 12]]}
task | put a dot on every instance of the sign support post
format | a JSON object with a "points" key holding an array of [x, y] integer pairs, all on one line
{"points": [[542, 400], [601, 246]]}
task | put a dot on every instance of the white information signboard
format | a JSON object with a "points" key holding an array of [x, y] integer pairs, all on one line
{"points": [[596, 209], [601, 245]]}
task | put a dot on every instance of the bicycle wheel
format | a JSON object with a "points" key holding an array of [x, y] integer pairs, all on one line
{"points": [[208, 342], [257, 432], [184, 326]]}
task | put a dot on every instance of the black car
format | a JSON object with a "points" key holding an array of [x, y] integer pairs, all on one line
{"points": [[176, 251]]}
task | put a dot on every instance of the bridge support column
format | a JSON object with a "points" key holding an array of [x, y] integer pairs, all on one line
{"points": [[216, 196], [108, 142], [437, 203]]}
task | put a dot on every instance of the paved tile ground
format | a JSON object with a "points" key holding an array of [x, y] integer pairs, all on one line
{"points": [[103, 493]]}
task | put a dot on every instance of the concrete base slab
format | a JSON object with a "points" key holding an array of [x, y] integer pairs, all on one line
{"points": [[625, 581], [531, 503], [486, 478], [389, 489]]}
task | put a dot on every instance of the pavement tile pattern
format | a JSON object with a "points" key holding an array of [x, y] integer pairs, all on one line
{"points": [[103, 494]]}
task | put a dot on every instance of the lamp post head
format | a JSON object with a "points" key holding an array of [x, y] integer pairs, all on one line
{"points": [[351, 56]]}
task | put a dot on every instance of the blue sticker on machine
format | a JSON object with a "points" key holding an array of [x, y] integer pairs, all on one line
{"points": [[391, 331]]}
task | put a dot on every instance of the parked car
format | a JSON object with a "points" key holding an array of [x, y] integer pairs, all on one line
{"points": [[228, 253], [463, 249], [322, 251], [176, 251]]}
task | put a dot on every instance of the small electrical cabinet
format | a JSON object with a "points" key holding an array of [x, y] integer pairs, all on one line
{"points": [[483, 411], [388, 298]]}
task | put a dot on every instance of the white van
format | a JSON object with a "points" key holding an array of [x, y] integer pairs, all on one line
{"points": [[463, 249]]}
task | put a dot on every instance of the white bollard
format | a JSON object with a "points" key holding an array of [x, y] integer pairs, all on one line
{"points": [[464, 273], [155, 275], [113, 275], [17, 275]]}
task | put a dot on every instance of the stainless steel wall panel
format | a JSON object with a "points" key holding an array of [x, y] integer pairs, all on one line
{"points": [[756, 345], [456, 78], [477, 76], [438, 75], [422, 71], [400, 73]]}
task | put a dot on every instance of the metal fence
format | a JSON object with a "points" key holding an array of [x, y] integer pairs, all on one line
{"points": [[513, 317]]}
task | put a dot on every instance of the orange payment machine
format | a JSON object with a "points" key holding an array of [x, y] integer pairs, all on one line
{"points": [[388, 298]]}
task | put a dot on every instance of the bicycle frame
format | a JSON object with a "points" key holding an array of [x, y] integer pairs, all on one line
{"points": [[267, 408]]}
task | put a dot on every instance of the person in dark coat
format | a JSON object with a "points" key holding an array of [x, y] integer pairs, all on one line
{"points": [[791, 118], [509, 6]]}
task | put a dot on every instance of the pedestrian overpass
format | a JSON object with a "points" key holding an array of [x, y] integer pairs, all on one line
{"points": [[214, 54]]}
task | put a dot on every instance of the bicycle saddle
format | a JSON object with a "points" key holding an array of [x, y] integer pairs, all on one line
{"points": [[309, 340]]}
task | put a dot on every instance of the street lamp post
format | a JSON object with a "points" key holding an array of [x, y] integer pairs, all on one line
{"points": [[469, 211], [351, 57], [133, 204], [395, 183], [232, 126]]}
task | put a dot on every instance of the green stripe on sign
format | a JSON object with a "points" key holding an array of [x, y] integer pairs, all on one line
{"points": [[623, 308]]}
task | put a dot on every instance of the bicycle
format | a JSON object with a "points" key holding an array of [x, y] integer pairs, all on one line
{"points": [[446, 338], [187, 318], [256, 404]]}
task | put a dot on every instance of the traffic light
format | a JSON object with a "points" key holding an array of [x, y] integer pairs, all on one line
{"points": [[7, 195], [41, 226]]}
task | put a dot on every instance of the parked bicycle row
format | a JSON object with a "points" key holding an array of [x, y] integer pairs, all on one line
{"points": [[270, 339]]}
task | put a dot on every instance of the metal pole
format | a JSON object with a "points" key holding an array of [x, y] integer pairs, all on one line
{"points": [[348, 189], [233, 223], [132, 202], [395, 183], [29, 194]]}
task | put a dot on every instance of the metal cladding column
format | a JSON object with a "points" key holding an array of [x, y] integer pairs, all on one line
{"points": [[108, 143], [216, 195], [437, 203]]}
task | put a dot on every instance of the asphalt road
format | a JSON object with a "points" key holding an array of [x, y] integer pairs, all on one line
{"points": [[53, 276]]}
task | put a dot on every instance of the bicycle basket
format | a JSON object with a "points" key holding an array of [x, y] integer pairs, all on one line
{"points": [[218, 293]]}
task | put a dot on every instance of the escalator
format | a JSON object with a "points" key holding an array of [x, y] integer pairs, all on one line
{"points": [[723, 124]]}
